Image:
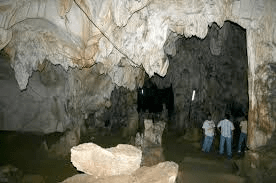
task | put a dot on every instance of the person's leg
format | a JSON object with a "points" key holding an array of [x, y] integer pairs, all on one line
{"points": [[229, 147], [240, 142], [204, 144], [221, 145], [243, 143], [210, 140]]}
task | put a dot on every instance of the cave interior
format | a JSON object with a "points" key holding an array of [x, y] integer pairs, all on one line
{"points": [[204, 77], [214, 70]]}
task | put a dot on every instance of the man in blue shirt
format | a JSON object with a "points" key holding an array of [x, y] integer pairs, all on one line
{"points": [[226, 131]]}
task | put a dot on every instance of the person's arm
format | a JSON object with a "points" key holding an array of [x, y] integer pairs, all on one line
{"points": [[203, 131], [241, 124], [203, 127], [219, 128], [233, 128]]}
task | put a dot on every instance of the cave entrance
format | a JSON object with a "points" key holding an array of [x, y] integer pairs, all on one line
{"points": [[208, 76]]}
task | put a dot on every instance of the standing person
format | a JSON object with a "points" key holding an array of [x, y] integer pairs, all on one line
{"points": [[208, 128], [243, 135], [226, 131]]}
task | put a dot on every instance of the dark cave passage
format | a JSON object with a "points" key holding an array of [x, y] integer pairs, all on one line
{"points": [[154, 100], [214, 70]]}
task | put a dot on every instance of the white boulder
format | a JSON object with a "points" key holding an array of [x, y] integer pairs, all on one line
{"points": [[97, 161]]}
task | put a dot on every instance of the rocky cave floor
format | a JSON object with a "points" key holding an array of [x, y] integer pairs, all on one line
{"points": [[34, 164]]}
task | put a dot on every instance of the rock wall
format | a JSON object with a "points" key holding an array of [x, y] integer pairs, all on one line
{"points": [[126, 36], [258, 18], [54, 99], [121, 116]]}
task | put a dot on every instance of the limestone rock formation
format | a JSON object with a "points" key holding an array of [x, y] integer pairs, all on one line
{"points": [[55, 99], [150, 142], [132, 123], [165, 172], [152, 135], [99, 162], [75, 34], [128, 38]]}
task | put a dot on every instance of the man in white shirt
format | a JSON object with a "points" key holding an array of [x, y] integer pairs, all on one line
{"points": [[243, 135], [209, 128], [227, 128]]}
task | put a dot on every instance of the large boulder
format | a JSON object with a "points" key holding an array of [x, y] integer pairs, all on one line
{"points": [[97, 161], [165, 172]]}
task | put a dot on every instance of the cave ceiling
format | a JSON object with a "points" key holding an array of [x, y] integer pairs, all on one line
{"points": [[83, 33]]}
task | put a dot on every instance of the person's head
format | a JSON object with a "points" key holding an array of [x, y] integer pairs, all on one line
{"points": [[227, 115], [209, 117]]}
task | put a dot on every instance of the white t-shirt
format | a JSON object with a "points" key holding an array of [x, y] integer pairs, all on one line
{"points": [[209, 127], [243, 126]]}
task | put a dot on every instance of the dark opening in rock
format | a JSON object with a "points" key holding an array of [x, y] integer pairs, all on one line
{"points": [[207, 76]]}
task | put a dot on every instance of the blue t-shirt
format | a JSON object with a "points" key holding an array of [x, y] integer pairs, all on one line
{"points": [[226, 127]]}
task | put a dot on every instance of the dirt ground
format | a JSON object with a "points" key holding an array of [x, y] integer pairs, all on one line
{"points": [[196, 166], [24, 152]]}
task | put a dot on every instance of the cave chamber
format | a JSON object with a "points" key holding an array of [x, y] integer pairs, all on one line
{"points": [[101, 71]]}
